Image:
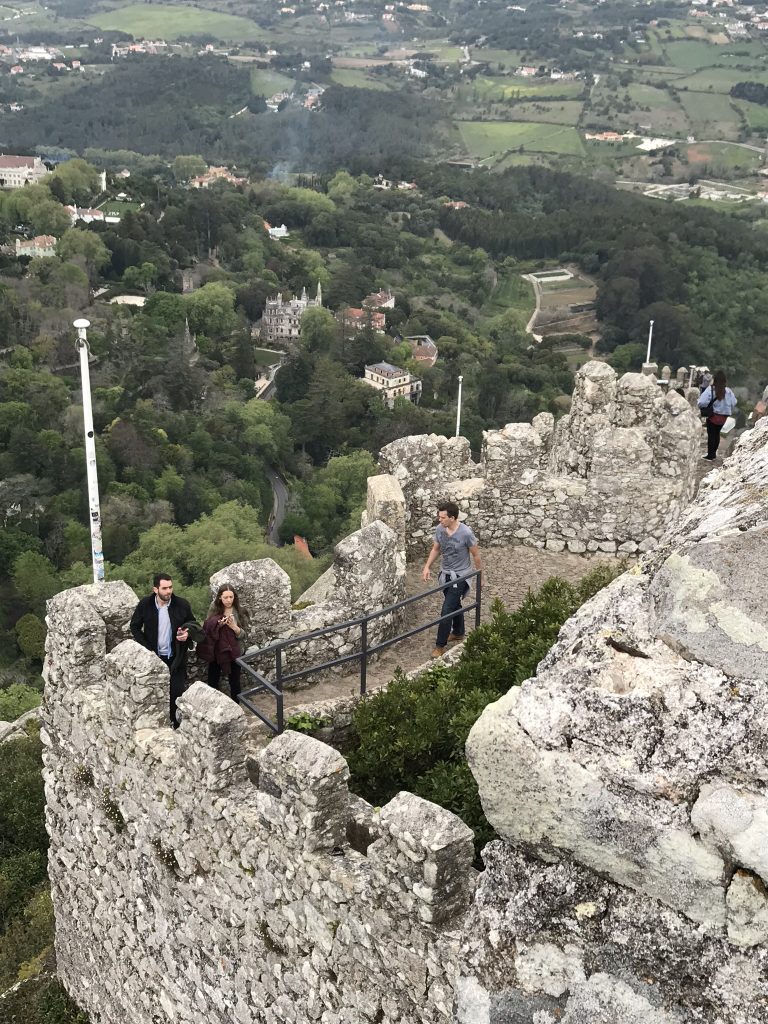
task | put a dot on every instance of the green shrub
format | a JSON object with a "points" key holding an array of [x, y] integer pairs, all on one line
{"points": [[304, 722], [54, 1006], [17, 699], [411, 736], [30, 636]]}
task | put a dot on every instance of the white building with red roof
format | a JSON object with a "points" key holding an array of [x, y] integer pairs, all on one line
{"points": [[40, 245]]}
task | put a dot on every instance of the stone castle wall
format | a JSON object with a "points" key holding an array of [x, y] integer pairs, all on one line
{"points": [[200, 879], [367, 574], [610, 476], [199, 876]]}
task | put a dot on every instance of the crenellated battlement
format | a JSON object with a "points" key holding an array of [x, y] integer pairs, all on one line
{"points": [[199, 861], [609, 476]]}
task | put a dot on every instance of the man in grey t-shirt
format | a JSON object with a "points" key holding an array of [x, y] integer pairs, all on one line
{"points": [[454, 542]]}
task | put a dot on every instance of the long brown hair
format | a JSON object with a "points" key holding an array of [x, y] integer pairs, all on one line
{"points": [[718, 385], [217, 608]]}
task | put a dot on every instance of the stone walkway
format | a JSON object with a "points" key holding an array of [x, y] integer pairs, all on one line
{"points": [[508, 573]]}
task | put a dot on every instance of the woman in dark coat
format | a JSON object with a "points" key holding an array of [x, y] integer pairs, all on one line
{"points": [[225, 639]]}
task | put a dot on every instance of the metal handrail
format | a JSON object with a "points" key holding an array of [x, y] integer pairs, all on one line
{"points": [[277, 647]]}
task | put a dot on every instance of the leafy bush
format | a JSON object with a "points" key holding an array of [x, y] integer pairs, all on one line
{"points": [[304, 722], [412, 735], [16, 699], [30, 636]]}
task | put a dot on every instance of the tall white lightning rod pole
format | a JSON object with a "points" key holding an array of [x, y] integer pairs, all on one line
{"points": [[97, 554], [650, 339], [458, 409]]}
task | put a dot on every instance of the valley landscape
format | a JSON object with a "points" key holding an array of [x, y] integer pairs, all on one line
{"points": [[255, 205]]}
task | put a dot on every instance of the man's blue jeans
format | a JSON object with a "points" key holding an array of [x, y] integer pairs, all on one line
{"points": [[454, 593]]}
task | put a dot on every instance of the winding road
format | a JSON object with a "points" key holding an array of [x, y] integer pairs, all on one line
{"points": [[279, 502]]}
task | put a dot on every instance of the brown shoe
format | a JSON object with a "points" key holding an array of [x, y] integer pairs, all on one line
{"points": [[454, 638], [438, 652]]}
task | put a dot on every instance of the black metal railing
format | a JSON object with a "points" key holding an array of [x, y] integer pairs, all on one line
{"points": [[263, 686]]}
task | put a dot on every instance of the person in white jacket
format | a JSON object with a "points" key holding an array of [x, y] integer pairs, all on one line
{"points": [[717, 403]]}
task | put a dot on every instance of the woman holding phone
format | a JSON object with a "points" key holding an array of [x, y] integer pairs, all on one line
{"points": [[225, 639]]}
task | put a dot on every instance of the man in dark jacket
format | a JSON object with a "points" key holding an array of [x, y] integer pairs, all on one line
{"points": [[157, 625]]}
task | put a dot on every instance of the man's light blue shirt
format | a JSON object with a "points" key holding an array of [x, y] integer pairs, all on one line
{"points": [[164, 642]]}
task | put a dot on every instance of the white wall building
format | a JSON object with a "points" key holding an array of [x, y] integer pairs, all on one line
{"points": [[40, 245], [393, 382], [18, 171]]}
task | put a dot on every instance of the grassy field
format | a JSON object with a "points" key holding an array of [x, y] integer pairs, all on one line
{"points": [[721, 79], [484, 139], [648, 106], [358, 79], [650, 96], [512, 298], [693, 53], [567, 296], [165, 21], [568, 112], [116, 208], [499, 89], [449, 54], [265, 82], [756, 115], [711, 115], [266, 356]]}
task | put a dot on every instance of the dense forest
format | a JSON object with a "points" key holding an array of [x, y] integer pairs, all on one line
{"points": [[699, 275], [127, 107], [754, 92]]}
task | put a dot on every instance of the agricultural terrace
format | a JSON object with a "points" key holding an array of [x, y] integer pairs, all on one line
{"points": [[573, 291]]}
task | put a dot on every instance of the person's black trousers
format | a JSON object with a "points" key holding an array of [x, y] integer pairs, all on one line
{"points": [[214, 678], [713, 438], [178, 684]]}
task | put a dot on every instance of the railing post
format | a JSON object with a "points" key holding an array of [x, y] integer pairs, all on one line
{"points": [[478, 598], [363, 656], [279, 686]]}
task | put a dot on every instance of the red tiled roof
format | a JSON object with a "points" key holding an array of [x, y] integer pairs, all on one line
{"points": [[16, 161]]}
